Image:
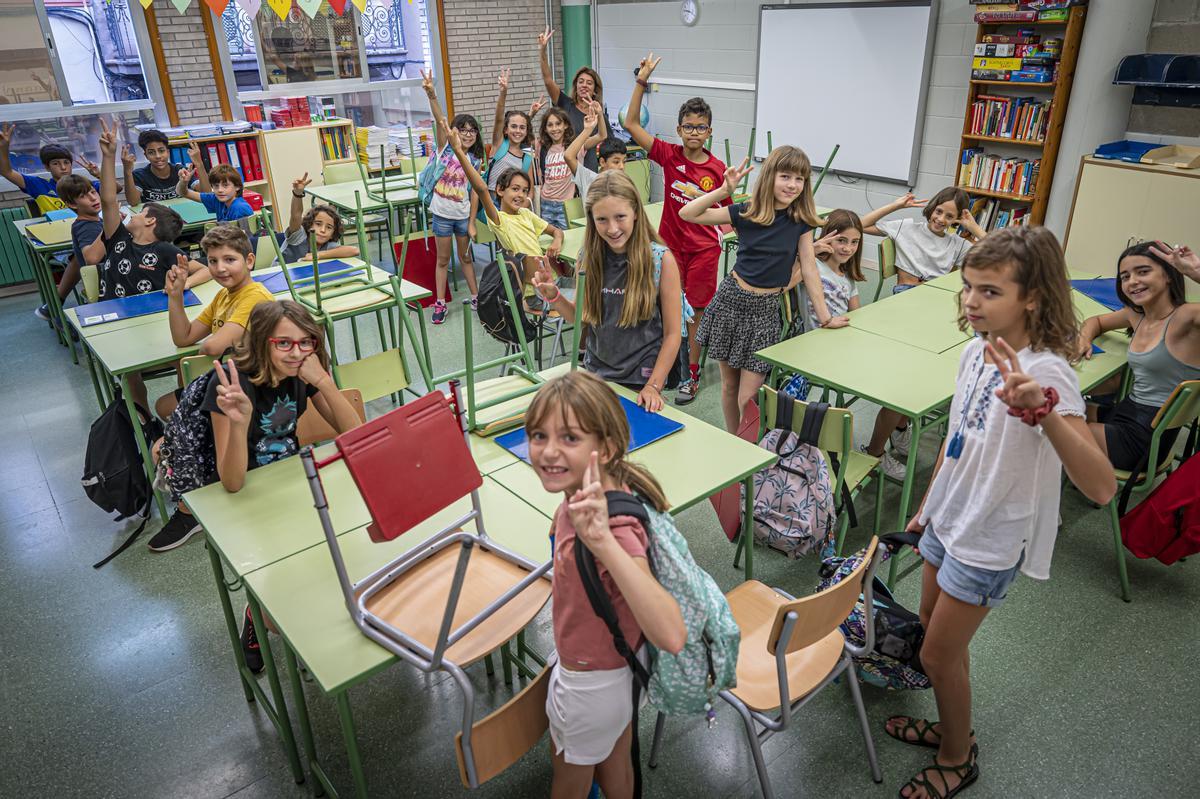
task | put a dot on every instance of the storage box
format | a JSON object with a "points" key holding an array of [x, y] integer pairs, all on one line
{"points": [[253, 198], [1180, 156]]}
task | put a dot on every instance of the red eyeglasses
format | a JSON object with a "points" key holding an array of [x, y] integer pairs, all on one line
{"points": [[286, 344]]}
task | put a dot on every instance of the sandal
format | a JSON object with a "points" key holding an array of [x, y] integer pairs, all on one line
{"points": [[966, 772], [926, 735]]}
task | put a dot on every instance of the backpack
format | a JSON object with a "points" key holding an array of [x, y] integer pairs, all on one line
{"points": [[492, 306], [895, 661], [794, 507], [113, 474], [1166, 524], [188, 456]]}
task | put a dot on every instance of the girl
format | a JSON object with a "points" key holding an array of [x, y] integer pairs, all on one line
{"points": [[586, 89], [516, 227], [1017, 420], [775, 249], [323, 221], [558, 183], [444, 188], [925, 249], [512, 136], [839, 264], [1164, 351], [577, 439], [635, 315]]}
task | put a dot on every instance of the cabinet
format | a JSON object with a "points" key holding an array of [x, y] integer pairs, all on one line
{"points": [[291, 152]]}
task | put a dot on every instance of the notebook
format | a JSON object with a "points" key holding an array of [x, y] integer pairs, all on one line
{"points": [[644, 428], [55, 232], [276, 283], [128, 307]]}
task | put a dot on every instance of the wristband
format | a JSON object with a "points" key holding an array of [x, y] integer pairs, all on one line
{"points": [[641, 82], [299, 196], [557, 294], [1033, 416]]}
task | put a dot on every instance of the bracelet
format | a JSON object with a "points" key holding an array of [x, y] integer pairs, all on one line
{"points": [[1033, 416], [299, 196], [557, 294], [641, 82]]}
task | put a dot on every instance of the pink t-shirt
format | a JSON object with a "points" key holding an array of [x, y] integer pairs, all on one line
{"points": [[560, 183], [581, 638]]}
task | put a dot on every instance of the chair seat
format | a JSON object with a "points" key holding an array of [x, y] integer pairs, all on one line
{"points": [[416, 601], [368, 219], [1123, 475], [754, 607], [858, 468]]}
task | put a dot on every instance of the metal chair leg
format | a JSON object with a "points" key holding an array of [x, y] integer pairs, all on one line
{"points": [[760, 766], [1119, 548], [856, 694]]}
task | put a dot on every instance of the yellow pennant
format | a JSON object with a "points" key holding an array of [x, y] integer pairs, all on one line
{"points": [[147, 3], [362, 5], [280, 7]]}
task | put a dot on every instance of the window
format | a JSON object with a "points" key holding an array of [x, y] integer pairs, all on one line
{"points": [[26, 71], [300, 49]]}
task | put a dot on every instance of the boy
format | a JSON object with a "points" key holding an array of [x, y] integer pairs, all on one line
{"points": [[612, 152], [689, 171], [225, 200], [158, 179], [87, 241], [223, 322], [139, 252]]}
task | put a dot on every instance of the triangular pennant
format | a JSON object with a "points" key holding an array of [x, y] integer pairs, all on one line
{"points": [[310, 7], [217, 6], [386, 3], [280, 7], [147, 3], [338, 6], [362, 5], [250, 7], [181, 5]]}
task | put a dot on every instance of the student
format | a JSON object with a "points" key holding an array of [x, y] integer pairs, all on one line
{"points": [[775, 252], [225, 200], [612, 152], [689, 171], [557, 185], [1016, 421], [139, 251], [512, 136], [578, 436], [586, 89], [516, 227], [839, 264], [632, 301], [158, 180], [321, 221], [925, 249], [221, 324], [1163, 352], [447, 193], [87, 239]]}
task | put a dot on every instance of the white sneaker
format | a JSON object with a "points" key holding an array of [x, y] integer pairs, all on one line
{"points": [[891, 467], [900, 439]]}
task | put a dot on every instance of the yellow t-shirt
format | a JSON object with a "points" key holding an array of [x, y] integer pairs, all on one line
{"points": [[234, 306], [518, 233]]}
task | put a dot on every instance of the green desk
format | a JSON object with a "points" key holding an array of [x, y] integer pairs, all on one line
{"points": [[953, 280], [921, 317], [43, 277], [194, 215], [341, 195]]}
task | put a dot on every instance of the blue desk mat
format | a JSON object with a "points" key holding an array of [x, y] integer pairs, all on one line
{"points": [[128, 307], [644, 428], [276, 283], [1102, 289]]}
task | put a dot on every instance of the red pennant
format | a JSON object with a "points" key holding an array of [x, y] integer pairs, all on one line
{"points": [[217, 6], [339, 6]]}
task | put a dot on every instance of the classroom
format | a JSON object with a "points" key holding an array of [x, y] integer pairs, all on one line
{"points": [[599, 398]]}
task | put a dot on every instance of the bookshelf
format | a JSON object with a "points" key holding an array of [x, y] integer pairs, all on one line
{"points": [[337, 140], [245, 147], [1028, 160]]}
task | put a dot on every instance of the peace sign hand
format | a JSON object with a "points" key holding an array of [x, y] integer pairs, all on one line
{"points": [[185, 174], [824, 245], [910, 200], [427, 80], [6, 134], [544, 38], [592, 118], [588, 508], [232, 401], [300, 184], [537, 105], [647, 66], [735, 174], [1181, 258], [1019, 390], [543, 281], [502, 78], [92, 167], [451, 135], [108, 139], [177, 276]]}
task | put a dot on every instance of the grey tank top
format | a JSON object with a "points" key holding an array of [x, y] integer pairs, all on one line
{"points": [[1156, 372]]}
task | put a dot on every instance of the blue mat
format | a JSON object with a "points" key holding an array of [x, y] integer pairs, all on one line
{"points": [[644, 428], [128, 307], [1102, 289], [276, 283]]}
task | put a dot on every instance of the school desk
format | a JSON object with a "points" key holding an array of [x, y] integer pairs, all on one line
{"points": [[194, 215], [921, 317], [953, 280], [40, 254]]}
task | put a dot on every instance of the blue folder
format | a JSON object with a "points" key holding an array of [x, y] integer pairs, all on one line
{"points": [[644, 428], [1102, 289], [60, 213], [128, 307], [276, 283]]}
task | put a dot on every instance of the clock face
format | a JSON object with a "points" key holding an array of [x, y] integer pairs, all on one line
{"points": [[689, 12]]}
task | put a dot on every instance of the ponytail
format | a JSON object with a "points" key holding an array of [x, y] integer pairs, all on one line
{"points": [[639, 479]]}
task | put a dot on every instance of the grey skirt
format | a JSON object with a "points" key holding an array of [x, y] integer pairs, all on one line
{"points": [[739, 323]]}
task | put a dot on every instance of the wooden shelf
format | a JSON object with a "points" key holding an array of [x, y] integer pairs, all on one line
{"points": [[1013, 83], [256, 182], [349, 160], [1004, 140], [999, 195], [1016, 24]]}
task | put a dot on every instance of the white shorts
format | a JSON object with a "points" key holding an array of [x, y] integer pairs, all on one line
{"points": [[588, 711]]}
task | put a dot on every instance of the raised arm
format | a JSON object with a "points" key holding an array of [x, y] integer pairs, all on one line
{"points": [[183, 332], [633, 117], [552, 88], [435, 108], [700, 211], [476, 180], [966, 220], [109, 207], [133, 193], [198, 166], [297, 209], [184, 187], [498, 120], [231, 428], [584, 141], [907, 201], [6, 169]]}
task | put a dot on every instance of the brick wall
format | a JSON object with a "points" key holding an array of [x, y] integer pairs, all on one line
{"points": [[189, 67], [1175, 29], [482, 37]]}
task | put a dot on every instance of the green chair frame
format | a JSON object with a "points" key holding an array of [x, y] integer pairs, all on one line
{"points": [[886, 257]]}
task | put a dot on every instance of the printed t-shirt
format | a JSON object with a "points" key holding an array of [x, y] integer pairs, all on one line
{"points": [[234, 306], [451, 194], [558, 184], [766, 253], [839, 290], [45, 192], [272, 429], [153, 188], [684, 181], [921, 252], [237, 209], [518, 233], [131, 268], [510, 160], [623, 355], [581, 638]]}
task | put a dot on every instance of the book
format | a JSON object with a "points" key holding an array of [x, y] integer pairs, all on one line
{"points": [[990, 74], [234, 161], [985, 49], [252, 146], [1031, 76], [996, 63], [1008, 38], [1006, 16]]}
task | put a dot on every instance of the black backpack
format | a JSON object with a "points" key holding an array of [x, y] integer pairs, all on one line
{"points": [[113, 476], [495, 312]]}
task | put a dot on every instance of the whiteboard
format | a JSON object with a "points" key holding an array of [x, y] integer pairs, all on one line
{"points": [[849, 73]]}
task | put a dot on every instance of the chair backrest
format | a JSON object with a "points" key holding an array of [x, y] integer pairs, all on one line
{"points": [[483, 233], [820, 614], [89, 276], [503, 737], [1180, 409], [639, 173], [417, 444], [887, 257], [375, 376], [311, 427], [192, 366], [265, 249], [837, 428], [16, 265], [413, 166], [573, 209], [341, 173]]}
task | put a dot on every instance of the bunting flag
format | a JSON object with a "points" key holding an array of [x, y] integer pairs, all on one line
{"points": [[386, 3], [280, 7], [362, 5], [181, 5], [217, 6], [339, 6], [310, 7], [250, 6], [147, 3]]}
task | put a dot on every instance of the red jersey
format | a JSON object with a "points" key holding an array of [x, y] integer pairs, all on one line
{"points": [[684, 181]]}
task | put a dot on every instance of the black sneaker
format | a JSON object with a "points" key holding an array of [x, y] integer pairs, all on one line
{"points": [[687, 391], [175, 532], [250, 650], [42, 312]]}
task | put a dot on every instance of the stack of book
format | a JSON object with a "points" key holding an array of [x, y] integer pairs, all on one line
{"points": [[1018, 57], [991, 216], [980, 170], [241, 154], [1021, 118], [1024, 10], [335, 144], [375, 147]]}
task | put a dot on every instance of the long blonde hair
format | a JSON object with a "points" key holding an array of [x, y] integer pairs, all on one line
{"points": [[598, 412], [641, 295], [760, 209], [1041, 271]]}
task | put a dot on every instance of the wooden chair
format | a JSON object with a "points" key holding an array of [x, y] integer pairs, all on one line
{"points": [[311, 427], [887, 264], [503, 738], [457, 596], [89, 278], [1181, 409], [791, 649]]}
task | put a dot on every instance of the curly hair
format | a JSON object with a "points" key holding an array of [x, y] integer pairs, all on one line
{"points": [[310, 216]]}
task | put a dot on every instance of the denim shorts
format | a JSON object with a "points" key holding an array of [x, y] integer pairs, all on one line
{"points": [[902, 287], [443, 227], [554, 212], [971, 584]]}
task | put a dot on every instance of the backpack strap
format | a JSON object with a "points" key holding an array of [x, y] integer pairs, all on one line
{"points": [[1127, 491]]}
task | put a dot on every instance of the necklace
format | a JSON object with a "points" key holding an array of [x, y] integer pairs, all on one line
{"points": [[955, 447]]}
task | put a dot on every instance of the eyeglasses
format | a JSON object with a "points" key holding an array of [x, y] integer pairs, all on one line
{"points": [[695, 128], [467, 129], [286, 344]]}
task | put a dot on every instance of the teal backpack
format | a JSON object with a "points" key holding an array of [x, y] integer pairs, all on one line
{"points": [[686, 683]]}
